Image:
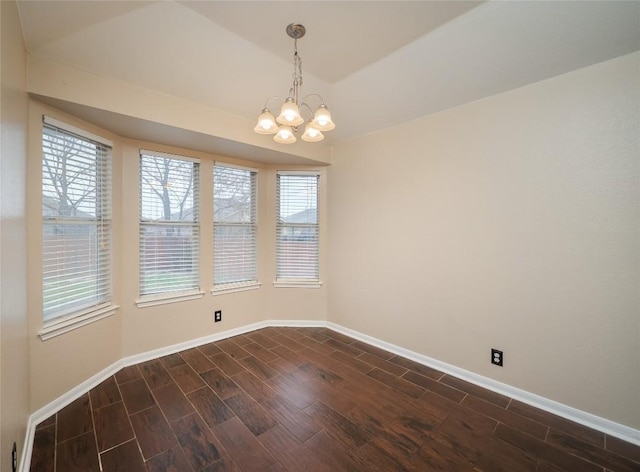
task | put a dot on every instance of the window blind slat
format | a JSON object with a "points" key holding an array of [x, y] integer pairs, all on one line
{"points": [[169, 224], [234, 225], [76, 226], [297, 227]]}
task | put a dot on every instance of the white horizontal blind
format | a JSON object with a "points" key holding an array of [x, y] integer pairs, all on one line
{"points": [[234, 225], [297, 227], [76, 223], [169, 224]]}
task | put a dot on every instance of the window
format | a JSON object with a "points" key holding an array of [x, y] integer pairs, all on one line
{"points": [[234, 227], [76, 223], [297, 228], [169, 226]]}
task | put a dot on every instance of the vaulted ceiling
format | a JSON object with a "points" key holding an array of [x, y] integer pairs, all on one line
{"points": [[376, 63]]}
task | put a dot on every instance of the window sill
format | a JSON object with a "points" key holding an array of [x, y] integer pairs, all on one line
{"points": [[56, 328], [232, 288], [297, 284], [164, 298]]}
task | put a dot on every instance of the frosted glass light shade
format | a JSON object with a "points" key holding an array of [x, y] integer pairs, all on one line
{"points": [[322, 119], [266, 123], [285, 135], [289, 114], [311, 133]]}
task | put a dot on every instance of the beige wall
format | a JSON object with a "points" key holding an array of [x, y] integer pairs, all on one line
{"points": [[297, 303], [511, 222], [14, 354], [53, 79], [63, 362], [159, 326], [515, 225]]}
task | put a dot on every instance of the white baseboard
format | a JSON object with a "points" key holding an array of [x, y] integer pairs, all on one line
{"points": [[76, 392], [609, 427], [165, 351], [59, 403], [587, 419]]}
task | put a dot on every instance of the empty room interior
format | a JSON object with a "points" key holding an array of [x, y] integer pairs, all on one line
{"points": [[320, 235]]}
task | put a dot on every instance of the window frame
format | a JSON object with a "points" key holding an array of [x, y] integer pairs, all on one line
{"points": [[103, 307], [179, 294], [238, 285], [298, 282]]}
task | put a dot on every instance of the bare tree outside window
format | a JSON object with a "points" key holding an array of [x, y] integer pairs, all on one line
{"points": [[234, 225], [171, 181], [169, 231], [69, 176], [76, 225], [233, 192]]}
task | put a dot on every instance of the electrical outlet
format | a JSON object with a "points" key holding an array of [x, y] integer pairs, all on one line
{"points": [[217, 316], [497, 357]]}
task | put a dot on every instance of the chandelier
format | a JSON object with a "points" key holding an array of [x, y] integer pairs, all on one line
{"points": [[287, 123]]}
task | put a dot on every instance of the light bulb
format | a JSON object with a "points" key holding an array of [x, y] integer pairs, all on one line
{"points": [[266, 123], [284, 135], [322, 119], [311, 133], [289, 114]]}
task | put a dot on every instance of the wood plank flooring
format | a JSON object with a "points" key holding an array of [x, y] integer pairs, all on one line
{"points": [[309, 399]]}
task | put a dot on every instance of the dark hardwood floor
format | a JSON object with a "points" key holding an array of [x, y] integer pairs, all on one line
{"points": [[309, 400]]}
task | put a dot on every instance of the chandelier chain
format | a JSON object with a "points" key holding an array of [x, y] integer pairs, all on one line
{"points": [[297, 65]]}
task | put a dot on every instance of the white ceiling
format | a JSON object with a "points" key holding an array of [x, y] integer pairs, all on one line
{"points": [[342, 37], [376, 63]]}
